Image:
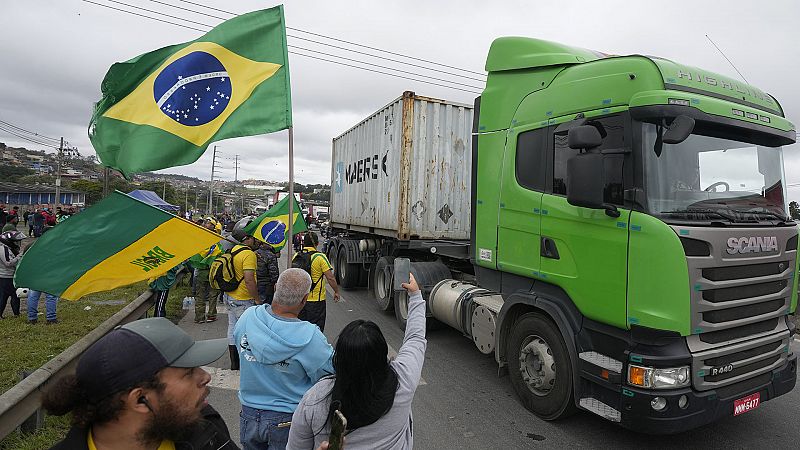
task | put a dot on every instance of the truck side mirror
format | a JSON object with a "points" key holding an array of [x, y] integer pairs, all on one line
{"points": [[584, 137], [679, 130], [585, 182]]}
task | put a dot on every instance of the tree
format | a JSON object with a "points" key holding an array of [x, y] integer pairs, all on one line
{"points": [[38, 179], [794, 210], [92, 189], [14, 173]]}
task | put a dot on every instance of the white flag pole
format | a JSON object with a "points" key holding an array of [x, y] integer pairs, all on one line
{"points": [[290, 235]]}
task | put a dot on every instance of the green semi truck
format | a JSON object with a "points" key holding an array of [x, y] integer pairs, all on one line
{"points": [[614, 230]]}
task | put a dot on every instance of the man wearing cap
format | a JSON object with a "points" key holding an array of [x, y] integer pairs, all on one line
{"points": [[141, 387]]}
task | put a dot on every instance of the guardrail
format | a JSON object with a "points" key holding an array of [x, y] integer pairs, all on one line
{"points": [[24, 399]]}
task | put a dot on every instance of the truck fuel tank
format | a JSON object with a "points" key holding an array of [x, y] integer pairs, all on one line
{"points": [[469, 309]]}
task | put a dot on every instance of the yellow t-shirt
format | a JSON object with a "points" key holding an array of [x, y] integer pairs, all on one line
{"points": [[244, 260], [165, 445], [319, 265]]}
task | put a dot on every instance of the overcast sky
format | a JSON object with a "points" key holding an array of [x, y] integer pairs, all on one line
{"points": [[54, 54]]}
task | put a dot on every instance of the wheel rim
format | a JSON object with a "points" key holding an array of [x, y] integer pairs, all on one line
{"points": [[537, 365], [342, 265], [402, 305], [383, 283]]}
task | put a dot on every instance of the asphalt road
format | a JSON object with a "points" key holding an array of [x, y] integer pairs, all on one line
{"points": [[463, 404]]}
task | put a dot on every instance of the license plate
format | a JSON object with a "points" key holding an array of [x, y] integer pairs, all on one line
{"points": [[746, 404]]}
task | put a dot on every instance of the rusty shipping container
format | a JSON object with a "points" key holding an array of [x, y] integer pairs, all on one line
{"points": [[404, 172]]}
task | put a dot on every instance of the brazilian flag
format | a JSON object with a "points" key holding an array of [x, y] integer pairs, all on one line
{"points": [[117, 242], [272, 226], [162, 109]]}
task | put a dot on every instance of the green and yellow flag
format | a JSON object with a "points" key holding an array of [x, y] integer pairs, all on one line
{"points": [[272, 226], [162, 109], [117, 242]]}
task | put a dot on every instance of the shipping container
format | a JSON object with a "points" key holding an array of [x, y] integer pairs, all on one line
{"points": [[404, 172]]}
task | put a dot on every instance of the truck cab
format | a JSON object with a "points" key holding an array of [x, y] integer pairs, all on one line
{"points": [[641, 214]]}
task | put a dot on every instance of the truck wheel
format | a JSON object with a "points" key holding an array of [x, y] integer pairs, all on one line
{"points": [[333, 259], [382, 283], [401, 308], [348, 273], [540, 368]]}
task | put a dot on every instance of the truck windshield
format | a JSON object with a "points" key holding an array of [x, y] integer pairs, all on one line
{"points": [[708, 178]]}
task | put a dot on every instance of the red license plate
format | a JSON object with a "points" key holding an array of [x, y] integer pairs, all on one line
{"points": [[746, 404]]}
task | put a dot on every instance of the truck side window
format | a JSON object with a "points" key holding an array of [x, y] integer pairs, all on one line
{"points": [[614, 128], [530, 161]]}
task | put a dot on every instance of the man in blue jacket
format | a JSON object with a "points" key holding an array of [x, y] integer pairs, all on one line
{"points": [[281, 358]]}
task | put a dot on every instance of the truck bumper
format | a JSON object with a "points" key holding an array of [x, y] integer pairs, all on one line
{"points": [[703, 407]]}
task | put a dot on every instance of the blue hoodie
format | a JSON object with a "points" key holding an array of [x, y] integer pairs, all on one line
{"points": [[280, 359]]}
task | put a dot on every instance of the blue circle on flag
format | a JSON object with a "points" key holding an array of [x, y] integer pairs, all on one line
{"points": [[274, 232], [193, 90]]}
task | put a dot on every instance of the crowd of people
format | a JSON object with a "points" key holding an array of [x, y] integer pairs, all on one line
{"points": [[293, 382], [12, 247]]}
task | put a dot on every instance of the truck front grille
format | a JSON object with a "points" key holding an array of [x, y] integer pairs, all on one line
{"points": [[728, 365]]}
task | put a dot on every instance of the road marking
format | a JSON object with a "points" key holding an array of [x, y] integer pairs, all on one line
{"points": [[223, 378]]}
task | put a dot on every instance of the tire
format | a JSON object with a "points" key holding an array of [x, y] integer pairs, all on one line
{"points": [[333, 259], [401, 308], [382, 283], [546, 392], [348, 273]]}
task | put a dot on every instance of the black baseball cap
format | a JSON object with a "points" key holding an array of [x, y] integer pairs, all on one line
{"points": [[135, 352]]}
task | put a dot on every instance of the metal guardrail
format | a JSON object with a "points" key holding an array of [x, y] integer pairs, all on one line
{"points": [[24, 399]]}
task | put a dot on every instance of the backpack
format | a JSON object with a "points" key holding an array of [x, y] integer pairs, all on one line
{"points": [[303, 261], [221, 274]]}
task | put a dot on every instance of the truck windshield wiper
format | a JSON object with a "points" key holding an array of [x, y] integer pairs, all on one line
{"points": [[727, 217]]}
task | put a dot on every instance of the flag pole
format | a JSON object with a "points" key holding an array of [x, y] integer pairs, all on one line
{"points": [[290, 235]]}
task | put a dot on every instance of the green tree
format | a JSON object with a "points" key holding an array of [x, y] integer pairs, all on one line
{"points": [[14, 173], [794, 210], [92, 189], [37, 179]]}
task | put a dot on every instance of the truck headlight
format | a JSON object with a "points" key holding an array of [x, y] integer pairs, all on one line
{"points": [[658, 378]]}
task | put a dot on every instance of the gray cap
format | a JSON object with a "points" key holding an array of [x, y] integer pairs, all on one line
{"points": [[135, 352]]}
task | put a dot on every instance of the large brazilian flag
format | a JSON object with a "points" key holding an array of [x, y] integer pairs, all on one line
{"points": [[273, 226], [117, 242], [162, 109]]}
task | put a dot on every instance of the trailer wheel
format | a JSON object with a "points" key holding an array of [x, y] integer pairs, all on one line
{"points": [[348, 273], [539, 367], [382, 283], [401, 308], [333, 259]]}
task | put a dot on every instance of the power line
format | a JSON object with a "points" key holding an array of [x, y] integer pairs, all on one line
{"points": [[28, 131], [726, 58], [335, 39], [291, 52], [21, 136]]}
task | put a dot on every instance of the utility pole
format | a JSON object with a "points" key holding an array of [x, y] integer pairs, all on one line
{"points": [[58, 173], [106, 173], [236, 169], [211, 188], [164, 191], [186, 194]]}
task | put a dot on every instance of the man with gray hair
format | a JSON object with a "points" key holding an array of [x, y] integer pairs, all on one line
{"points": [[281, 358]]}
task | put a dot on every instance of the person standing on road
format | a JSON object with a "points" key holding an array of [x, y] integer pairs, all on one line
{"points": [[315, 310], [373, 393], [246, 294], [10, 254], [205, 294], [282, 357], [141, 386], [50, 303], [37, 224], [160, 287], [267, 272]]}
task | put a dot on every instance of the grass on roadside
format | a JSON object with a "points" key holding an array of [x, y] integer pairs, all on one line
{"points": [[27, 347]]}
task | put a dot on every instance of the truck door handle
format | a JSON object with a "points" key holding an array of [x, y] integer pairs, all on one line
{"points": [[548, 248]]}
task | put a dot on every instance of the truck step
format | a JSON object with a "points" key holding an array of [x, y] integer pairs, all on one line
{"points": [[601, 409], [601, 360]]}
